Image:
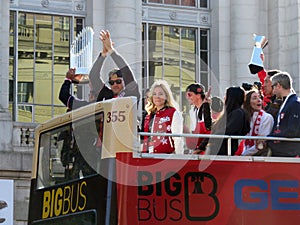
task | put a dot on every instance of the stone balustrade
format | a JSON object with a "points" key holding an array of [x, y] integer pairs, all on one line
{"points": [[23, 135]]}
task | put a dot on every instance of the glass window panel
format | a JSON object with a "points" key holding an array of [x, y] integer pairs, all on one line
{"points": [[179, 58], [155, 53], [42, 113], [171, 68], [78, 26], [11, 87], [177, 2], [61, 53], [57, 147], [172, 2], [204, 61], [25, 92], [43, 63], [204, 79], [188, 64], [25, 69], [82, 218], [203, 3], [79, 88], [203, 40], [188, 2], [172, 72], [155, 1], [25, 51], [25, 113], [204, 57], [39, 50]]}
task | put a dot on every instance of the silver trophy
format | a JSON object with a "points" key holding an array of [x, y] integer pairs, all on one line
{"points": [[256, 62], [81, 55]]}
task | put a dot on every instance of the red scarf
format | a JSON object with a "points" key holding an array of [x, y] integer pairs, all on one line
{"points": [[255, 129]]}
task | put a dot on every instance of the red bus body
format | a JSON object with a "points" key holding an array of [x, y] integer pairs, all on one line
{"points": [[178, 191]]}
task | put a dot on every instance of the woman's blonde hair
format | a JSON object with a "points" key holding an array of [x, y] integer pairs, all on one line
{"points": [[170, 101]]}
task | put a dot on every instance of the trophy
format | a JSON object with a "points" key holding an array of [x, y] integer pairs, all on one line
{"points": [[256, 62], [81, 55]]}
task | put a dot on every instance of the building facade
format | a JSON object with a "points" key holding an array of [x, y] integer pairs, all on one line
{"points": [[181, 41]]}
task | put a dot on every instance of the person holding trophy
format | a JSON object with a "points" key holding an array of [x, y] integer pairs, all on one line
{"points": [[70, 101], [271, 104], [121, 80]]}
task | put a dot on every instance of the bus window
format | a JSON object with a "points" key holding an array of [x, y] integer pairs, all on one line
{"points": [[71, 151], [83, 218]]}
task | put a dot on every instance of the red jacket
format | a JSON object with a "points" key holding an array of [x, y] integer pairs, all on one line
{"points": [[194, 143], [262, 75], [162, 121]]}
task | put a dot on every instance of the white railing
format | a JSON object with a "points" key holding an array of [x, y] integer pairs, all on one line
{"points": [[221, 157]]}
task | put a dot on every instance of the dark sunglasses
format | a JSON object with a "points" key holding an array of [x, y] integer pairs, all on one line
{"points": [[111, 82], [189, 95]]}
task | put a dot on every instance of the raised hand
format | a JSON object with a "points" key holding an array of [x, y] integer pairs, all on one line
{"points": [[207, 96], [102, 37], [76, 78], [71, 73], [106, 40]]}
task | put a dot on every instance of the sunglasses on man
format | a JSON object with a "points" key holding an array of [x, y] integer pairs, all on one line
{"points": [[118, 81]]}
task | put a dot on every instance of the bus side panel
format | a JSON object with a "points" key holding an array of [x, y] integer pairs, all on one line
{"points": [[169, 191], [64, 199]]}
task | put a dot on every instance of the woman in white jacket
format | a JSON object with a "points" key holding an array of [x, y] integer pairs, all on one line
{"points": [[260, 125]]}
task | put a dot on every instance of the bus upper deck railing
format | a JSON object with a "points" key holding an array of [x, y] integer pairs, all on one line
{"points": [[229, 139]]}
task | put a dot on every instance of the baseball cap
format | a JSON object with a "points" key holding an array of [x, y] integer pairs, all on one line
{"points": [[272, 72], [116, 72], [196, 88]]}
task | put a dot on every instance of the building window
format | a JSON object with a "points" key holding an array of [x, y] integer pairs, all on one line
{"points": [[38, 68], [203, 3], [179, 55], [25, 92], [191, 3]]}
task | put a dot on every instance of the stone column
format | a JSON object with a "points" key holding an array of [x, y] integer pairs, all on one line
{"points": [[4, 55], [124, 20], [220, 47], [96, 18], [246, 18], [5, 117], [284, 42]]}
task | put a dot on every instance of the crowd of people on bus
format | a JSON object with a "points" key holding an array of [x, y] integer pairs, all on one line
{"points": [[269, 107]]}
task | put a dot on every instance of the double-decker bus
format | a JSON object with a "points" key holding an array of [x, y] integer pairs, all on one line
{"points": [[113, 183]]}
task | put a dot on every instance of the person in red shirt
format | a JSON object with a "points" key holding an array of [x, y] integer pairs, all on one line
{"points": [[271, 104], [264, 77]]}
